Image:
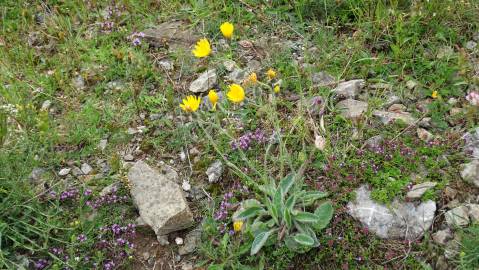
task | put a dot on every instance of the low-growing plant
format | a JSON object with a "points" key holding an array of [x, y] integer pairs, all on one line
{"points": [[283, 214]]}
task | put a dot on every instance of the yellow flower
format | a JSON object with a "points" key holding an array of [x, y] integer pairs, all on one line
{"points": [[213, 97], [235, 93], [252, 78], [190, 104], [434, 94], [202, 48], [276, 88], [227, 29], [237, 225], [271, 74]]}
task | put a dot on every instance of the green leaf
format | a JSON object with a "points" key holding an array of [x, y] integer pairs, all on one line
{"points": [[216, 267], [286, 183], [290, 202], [306, 217], [304, 239], [259, 241], [278, 204], [250, 212], [287, 218], [325, 214], [308, 198]]}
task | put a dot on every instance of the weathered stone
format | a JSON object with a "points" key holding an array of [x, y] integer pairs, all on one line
{"points": [[474, 212], [349, 89], [424, 135], [204, 82], [128, 157], [398, 108], [174, 34], [352, 109], [76, 171], [389, 117], [160, 201], [215, 171], [458, 216], [442, 237], [64, 171], [471, 45], [111, 188], [471, 147], [78, 83], [381, 86], [425, 122], [102, 144], [450, 193], [166, 65], [391, 100], [46, 105], [470, 172], [229, 65], [411, 84], [86, 168], [238, 76], [418, 190], [321, 79], [403, 220], [191, 242]]}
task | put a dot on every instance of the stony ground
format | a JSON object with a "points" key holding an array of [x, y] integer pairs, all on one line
{"points": [[375, 104]]}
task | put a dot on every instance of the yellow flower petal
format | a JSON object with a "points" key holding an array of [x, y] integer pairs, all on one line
{"points": [[276, 88], [213, 97], [227, 29], [271, 74], [202, 48], [190, 104], [237, 225], [236, 93], [434, 94]]}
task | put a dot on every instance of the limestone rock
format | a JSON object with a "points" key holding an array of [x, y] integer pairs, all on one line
{"points": [[321, 79], [349, 89], [191, 242], [174, 34], [160, 201], [458, 216], [215, 171], [352, 109], [418, 190], [424, 135], [389, 117], [470, 172], [403, 220], [442, 237], [86, 168], [64, 171], [204, 82], [474, 212]]}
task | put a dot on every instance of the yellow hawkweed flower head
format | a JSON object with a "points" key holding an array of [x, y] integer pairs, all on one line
{"points": [[276, 88], [235, 93], [434, 94], [252, 78], [271, 74], [213, 97], [202, 48], [227, 29], [190, 104], [237, 225]]}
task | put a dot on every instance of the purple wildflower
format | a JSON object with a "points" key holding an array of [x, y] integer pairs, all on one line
{"points": [[136, 41], [40, 264], [87, 192], [82, 238]]}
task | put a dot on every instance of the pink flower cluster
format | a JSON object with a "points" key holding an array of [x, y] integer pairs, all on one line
{"points": [[473, 98]]}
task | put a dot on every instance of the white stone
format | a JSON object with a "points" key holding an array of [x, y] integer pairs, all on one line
{"points": [[64, 171], [400, 220], [458, 216], [389, 117], [418, 190], [215, 171], [352, 109], [470, 172], [349, 89], [160, 201], [179, 241], [86, 168], [204, 82]]}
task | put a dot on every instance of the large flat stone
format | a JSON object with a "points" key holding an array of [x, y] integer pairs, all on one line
{"points": [[401, 220], [160, 201]]}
